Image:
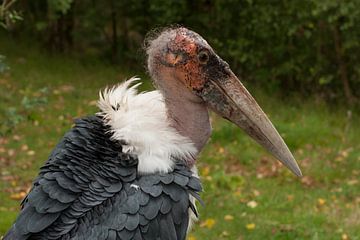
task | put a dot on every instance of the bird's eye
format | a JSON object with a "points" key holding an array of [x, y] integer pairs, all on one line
{"points": [[203, 57]]}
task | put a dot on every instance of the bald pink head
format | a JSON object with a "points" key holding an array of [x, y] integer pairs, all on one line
{"points": [[182, 50]]}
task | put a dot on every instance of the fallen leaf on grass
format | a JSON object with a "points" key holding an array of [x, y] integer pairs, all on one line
{"points": [[18, 196], [256, 193], [221, 150], [66, 88], [3, 141], [191, 237], [205, 171], [321, 201], [308, 181], [267, 168], [17, 137], [228, 218], [208, 178], [343, 154], [286, 228], [208, 223], [6, 176], [24, 147], [237, 193], [92, 103], [250, 226], [290, 197], [31, 153], [252, 204], [11, 152], [352, 182], [344, 236]]}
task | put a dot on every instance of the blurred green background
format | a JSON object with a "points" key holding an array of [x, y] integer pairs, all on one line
{"points": [[300, 60]]}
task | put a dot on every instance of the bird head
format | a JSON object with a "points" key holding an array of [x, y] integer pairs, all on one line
{"points": [[185, 57]]}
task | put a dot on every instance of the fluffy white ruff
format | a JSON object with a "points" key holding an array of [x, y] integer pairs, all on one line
{"points": [[141, 121]]}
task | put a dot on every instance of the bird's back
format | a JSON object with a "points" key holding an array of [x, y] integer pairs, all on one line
{"points": [[90, 189]]}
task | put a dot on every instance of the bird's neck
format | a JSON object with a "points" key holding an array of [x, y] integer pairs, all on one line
{"points": [[188, 114]]}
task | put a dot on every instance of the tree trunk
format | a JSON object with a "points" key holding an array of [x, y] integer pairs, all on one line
{"points": [[69, 27], [343, 72], [114, 42]]}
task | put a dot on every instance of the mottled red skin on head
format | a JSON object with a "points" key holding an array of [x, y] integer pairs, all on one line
{"points": [[190, 72]]}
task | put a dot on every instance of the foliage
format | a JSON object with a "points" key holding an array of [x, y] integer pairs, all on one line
{"points": [[307, 46], [8, 17], [61, 6]]}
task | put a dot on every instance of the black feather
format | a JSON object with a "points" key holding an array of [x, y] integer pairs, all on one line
{"points": [[132, 222], [88, 190]]}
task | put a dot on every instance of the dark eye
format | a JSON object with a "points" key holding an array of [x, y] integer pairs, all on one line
{"points": [[203, 57]]}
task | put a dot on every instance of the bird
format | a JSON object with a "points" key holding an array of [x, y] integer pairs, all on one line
{"points": [[129, 170]]}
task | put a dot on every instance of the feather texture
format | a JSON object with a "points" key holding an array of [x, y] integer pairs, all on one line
{"points": [[90, 189], [140, 119]]}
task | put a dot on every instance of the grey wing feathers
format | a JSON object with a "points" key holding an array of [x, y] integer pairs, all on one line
{"points": [[89, 189]]}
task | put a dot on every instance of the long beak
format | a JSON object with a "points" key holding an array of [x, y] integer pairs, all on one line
{"points": [[228, 97]]}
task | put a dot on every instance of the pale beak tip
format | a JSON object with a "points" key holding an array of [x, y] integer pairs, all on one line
{"points": [[297, 172], [294, 168]]}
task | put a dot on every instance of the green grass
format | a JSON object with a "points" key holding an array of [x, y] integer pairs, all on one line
{"points": [[42, 94]]}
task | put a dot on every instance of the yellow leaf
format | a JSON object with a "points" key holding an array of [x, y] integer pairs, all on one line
{"points": [[221, 150], [205, 171], [208, 223], [208, 178], [250, 226], [228, 218], [13, 183], [191, 237], [344, 236], [18, 196], [321, 201], [31, 153]]}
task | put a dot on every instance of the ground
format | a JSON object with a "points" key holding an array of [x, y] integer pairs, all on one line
{"points": [[247, 193]]}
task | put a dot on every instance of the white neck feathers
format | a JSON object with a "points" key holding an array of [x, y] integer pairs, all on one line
{"points": [[140, 120]]}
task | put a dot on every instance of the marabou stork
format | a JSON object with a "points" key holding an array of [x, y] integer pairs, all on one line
{"points": [[129, 171]]}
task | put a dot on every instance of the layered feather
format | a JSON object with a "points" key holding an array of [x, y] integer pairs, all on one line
{"points": [[90, 189], [140, 120]]}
